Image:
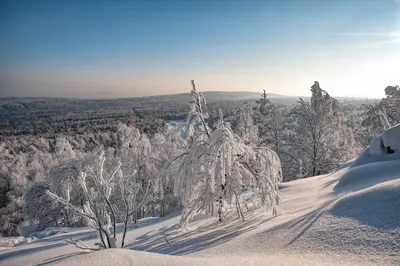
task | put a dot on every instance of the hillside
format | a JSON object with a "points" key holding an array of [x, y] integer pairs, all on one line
{"points": [[348, 217]]}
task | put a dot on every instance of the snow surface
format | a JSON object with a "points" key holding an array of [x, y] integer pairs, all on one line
{"points": [[348, 217], [389, 138]]}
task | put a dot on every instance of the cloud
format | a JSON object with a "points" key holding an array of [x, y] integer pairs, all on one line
{"points": [[370, 34], [388, 38], [372, 44]]}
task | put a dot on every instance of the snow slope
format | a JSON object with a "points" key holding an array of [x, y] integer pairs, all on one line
{"points": [[348, 217]]}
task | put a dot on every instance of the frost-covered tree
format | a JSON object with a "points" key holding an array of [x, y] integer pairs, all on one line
{"points": [[244, 125], [136, 152], [269, 123], [165, 147], [386, 113], [218, 164], [130, 188], [318, 135], [100, 209]]}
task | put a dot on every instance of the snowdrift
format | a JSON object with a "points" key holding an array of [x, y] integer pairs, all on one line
{"points": [[365, 218], [377, 206], [388, 140], [378, 163], [368, 175], [385, 147], [365, 223]]}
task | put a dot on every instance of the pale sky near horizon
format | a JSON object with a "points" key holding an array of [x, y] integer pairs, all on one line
{"points": [[140, 48]]}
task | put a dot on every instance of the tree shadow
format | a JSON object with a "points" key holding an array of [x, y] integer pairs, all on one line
{"points": [[329, 183], [64, 236], [60, 258], [28, 251], [299, 226], [58, 240], [169, 241], [305, 222]]}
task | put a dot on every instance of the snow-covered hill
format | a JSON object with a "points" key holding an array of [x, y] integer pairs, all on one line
{"points": [[348, 217]]}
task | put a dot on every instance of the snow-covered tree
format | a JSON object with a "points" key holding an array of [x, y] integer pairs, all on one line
{"points": [[130, 188], [318, 135], [218, 165], [244, 125], [165, 147], [385, 114], [135, 152], [269, 123], [100, 209]]}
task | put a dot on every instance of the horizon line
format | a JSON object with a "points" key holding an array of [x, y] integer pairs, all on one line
{"points": [[180, 93]]}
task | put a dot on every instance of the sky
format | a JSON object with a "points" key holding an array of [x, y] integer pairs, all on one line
{"points": [[101, 49]]}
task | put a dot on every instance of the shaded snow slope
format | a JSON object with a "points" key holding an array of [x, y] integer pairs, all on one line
{"points": [[378, 206]]}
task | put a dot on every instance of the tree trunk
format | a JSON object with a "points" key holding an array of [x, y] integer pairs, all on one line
{"points": [[162, 210], [239, 208], [221, 204], [126, 223]]}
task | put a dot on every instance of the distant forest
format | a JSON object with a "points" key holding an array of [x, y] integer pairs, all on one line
{"points": [[49, 116]]}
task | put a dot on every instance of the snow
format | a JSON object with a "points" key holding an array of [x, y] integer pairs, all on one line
{"points": [[8, 242], [26, 228], [127, 257], [348, 217], [389, 138]]}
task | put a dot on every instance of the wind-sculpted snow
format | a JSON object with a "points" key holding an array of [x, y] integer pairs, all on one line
{"points": [[385, 147], [377, 206], [390, 139], [364, 176]]}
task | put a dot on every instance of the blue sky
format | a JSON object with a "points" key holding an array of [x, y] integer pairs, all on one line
{"points": [[136, 48]]}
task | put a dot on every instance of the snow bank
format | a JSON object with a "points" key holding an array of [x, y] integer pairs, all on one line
{"points": [[368, 175], [366, 158], [378, 150], [389, 138], [8, 242], [377, 206], [48, 232], [26, 228]]}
